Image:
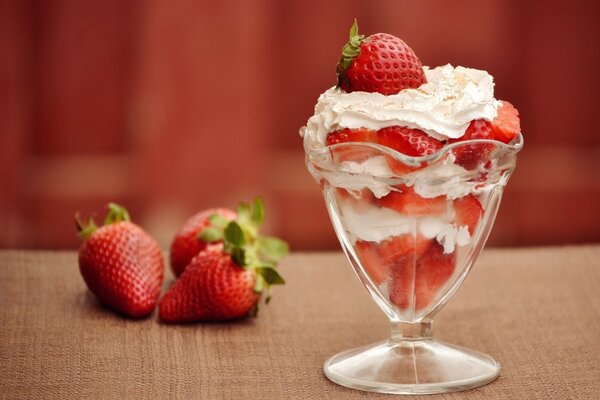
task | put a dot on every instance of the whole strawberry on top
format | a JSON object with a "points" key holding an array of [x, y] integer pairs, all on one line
{"points": [[227, 279], [120, 263], [187, 242], [379, 63]]}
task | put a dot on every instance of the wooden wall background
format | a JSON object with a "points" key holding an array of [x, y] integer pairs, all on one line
{"points": [[173, 106]]}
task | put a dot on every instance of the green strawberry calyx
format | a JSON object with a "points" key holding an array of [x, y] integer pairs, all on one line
{"points": [[247, 247], [349, 52], [116, 213]]}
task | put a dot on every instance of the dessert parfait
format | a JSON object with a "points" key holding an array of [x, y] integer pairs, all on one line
{"points": [[412, 161]]}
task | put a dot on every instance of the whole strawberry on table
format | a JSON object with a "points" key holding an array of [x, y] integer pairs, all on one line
{"points": [[225, 266], [120, 263], [234, 270]]}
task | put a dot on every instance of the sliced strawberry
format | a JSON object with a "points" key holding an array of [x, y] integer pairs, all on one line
{"points": [[403, 282], [368, 254], [470, 156], [417, 281], [468, 212], [408, 202], [400, 246], [379, 258], [351, 135], [507, 125], [411, 142], [434, 269], [353, 153]]}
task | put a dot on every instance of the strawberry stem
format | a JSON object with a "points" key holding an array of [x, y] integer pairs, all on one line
{"points": [[85, 230], [349, 53], [116, 213]]}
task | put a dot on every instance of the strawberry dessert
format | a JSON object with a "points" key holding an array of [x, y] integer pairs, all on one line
{"points": [[409, 157]]}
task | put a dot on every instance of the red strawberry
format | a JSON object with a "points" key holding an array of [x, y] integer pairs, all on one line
{"points": [[416, 281], [411, 142], [121, 264], [212, 287], [506, 125], [379, 258], [402, 282], [434, 269], [408, 202], [187, 244], [400, 246], [468, 212], [226, 279], [352, 153], [368, 254], [351, 135], [380, 63], [470, 156]]}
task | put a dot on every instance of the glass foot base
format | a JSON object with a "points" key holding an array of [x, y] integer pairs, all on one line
{"points": [[411, 367]]}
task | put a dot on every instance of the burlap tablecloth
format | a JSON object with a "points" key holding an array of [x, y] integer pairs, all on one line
{"points": [[537, 311]]}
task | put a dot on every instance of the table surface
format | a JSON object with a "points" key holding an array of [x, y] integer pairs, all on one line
{"points": [[535, 310]]}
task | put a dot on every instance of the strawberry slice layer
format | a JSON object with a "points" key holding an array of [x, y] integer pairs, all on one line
{"points": [[507, 124], [408, 202], [471, 156], [468, 212], [368, 254], [417, 281], [379, 258], [412, 142], [354, 153]]}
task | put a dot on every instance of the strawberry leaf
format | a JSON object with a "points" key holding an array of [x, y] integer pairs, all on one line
{"points": [[243, 212], [238, 254], [218, 221], [211, 234], [259, 285], [270, 275], [258, 212], [272, 249], [234, 235], [353, 30]]}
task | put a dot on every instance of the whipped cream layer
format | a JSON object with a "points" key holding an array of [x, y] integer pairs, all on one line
{"points": [[443, 107], [443, 178], [378, 224]]}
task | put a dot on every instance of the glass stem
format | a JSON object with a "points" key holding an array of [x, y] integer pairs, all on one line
{"points": [[411, 331]]}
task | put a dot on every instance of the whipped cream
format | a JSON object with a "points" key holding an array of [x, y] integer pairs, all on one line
{"points": [[442, 178], [366, 174], [377, 224], [443, 107], [446, 234]]}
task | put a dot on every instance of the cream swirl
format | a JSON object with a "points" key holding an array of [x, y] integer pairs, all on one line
{"points": [[443, 107]]}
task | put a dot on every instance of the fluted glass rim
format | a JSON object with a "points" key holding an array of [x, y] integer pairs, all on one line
{"points": [[314, 152]]}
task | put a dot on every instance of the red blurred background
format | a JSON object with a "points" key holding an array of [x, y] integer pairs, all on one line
{"points": [[170, 107]]}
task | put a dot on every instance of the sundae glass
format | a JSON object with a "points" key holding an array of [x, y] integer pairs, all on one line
{"points": [[412, 254], [412, 181]]}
